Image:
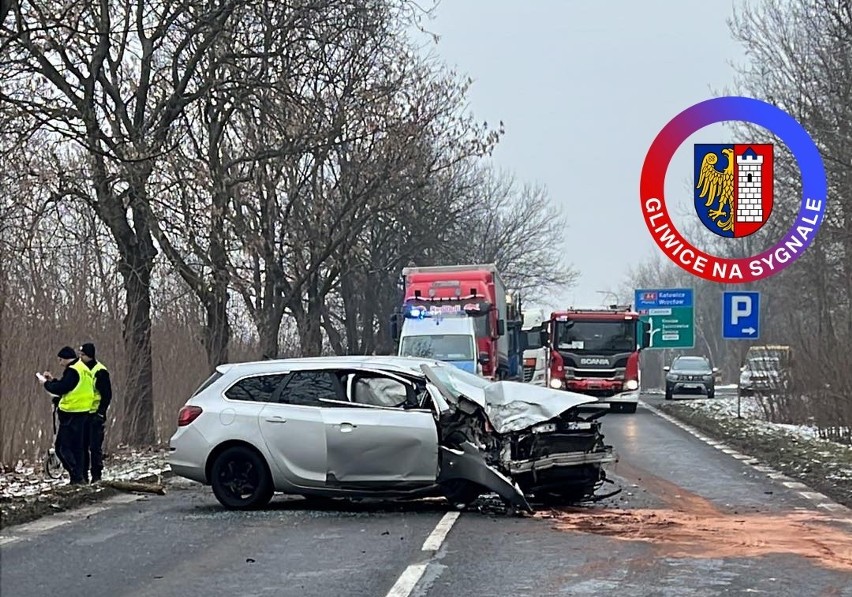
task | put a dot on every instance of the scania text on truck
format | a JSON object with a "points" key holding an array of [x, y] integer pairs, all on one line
{"points": [[596, 352], [460, 314]]}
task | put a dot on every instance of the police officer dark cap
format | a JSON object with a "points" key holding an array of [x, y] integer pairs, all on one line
{"points": [[67, 353], [88, 349]]}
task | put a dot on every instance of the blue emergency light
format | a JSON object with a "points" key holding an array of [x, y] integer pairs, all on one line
{"points": [[413, 312]]}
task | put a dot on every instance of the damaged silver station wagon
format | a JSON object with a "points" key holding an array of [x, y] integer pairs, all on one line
{"points": [[388, 427]]}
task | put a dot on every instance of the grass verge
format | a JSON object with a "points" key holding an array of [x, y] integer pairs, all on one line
{"points": [[821, 464], [20, 510]]}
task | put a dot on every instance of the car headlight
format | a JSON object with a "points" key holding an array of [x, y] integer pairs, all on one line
{"points": [[671, 377], [556, 384], [632, 384], [708, 378]]}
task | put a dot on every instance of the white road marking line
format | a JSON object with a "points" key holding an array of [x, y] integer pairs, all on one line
{"points": [[407, 581], [819, 500], [37, 527], [439, 533], [409, 578]]}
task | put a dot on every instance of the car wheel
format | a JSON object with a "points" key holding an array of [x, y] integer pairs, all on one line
{"points": [[628, 407], [460, 492], [668, 395], [241, 480], [711, 394]]}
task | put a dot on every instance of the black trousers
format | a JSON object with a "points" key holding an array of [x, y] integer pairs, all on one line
{"points": [[93, 442], [70, 439]]}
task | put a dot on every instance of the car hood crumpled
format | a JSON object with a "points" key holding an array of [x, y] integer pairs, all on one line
{"points": [[514, 406]]}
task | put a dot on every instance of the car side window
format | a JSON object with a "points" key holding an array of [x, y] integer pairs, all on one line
{"points": [[307, 388], [259, 388]]}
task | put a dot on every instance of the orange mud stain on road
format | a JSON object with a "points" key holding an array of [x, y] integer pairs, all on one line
{"points": [[693, 527]]}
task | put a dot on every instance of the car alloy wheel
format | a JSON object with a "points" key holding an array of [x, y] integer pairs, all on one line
{"points": [[241, 480]]}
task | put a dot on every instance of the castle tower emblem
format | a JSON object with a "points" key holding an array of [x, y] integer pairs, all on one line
{"points": [[734, 187]]}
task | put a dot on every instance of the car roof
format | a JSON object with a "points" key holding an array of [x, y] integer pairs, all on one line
{"points": [[691, 359], [389, 363]]}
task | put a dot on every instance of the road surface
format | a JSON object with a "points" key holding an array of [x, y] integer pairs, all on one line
{"points": [[691, 520]]}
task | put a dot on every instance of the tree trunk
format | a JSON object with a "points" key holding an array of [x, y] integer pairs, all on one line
{"points": [[138, 400], [217, 332], [268, 328], [308, 319], [351, 297]]}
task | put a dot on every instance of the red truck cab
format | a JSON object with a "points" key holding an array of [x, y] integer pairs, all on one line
{"points": [[596, 352]]}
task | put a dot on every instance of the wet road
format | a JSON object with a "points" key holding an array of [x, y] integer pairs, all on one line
{"points": [[690, 521]]}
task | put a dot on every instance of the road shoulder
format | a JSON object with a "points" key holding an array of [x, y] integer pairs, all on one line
{"points": [[823, 465]]}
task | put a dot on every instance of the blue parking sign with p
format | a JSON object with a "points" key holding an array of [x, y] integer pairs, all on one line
{"points": [[741, 315]]}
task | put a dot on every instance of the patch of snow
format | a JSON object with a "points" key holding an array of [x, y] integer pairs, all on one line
{"points": [[27, 480]]}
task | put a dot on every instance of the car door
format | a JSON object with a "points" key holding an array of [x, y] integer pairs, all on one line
{"points": [[293, 429], [373, 440]]}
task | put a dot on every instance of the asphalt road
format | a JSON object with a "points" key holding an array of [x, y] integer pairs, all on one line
{"points": [[689, 521]]}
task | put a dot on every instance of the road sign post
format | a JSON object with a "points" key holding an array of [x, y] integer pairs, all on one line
{"points": [[670, 313], [740, 315]]}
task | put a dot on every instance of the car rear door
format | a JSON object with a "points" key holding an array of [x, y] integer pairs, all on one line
{"points": [[293, 429], [373, 440]]}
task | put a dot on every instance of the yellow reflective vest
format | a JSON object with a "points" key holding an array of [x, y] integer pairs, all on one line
{"points": [[94, 370], [80, 399]]}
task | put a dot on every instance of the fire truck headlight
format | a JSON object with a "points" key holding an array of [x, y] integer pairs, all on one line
{"points": [[556, 384], [632, 385]]}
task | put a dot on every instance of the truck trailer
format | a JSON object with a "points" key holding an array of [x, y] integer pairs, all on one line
{"points": [[461, 314]]}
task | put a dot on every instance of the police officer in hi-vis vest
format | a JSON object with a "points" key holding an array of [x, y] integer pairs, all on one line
{"points": [[76, 391], [94, 440]]}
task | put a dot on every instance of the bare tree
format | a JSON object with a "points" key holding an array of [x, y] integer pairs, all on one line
{"points": [[521, 230], [111, 78]]}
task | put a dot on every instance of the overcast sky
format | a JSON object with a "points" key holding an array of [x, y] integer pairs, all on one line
{"points": [[583, 87]]}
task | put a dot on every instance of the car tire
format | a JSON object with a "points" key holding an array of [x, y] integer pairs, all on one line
{"points": [[668, 395], [241, 466], [628, 407]]}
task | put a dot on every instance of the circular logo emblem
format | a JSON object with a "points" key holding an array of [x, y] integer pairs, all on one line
{"points": [[733, 189]]}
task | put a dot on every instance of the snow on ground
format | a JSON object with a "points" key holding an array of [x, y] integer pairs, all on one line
{"points": [[28, 479], [834, 458]]}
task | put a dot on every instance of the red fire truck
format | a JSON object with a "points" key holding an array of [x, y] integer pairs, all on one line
{"points": [[596, 352]]}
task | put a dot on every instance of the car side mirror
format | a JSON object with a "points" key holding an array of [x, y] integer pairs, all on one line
{"points": [[523, 343], [394, 327], [715, 370], [484, 359], [501, 327], [666, 368], [542, 336]]}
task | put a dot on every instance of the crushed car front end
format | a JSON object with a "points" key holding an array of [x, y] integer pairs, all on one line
{"points": [[562, 458], [549, 442]]}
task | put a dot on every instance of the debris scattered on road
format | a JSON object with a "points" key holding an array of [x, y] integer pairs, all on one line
{"points": [[156, 488]]}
